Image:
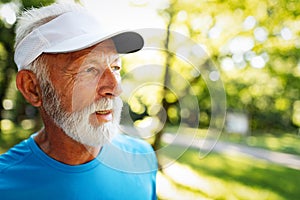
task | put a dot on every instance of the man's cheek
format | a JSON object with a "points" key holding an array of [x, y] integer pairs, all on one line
{"points": [[83, 96]]}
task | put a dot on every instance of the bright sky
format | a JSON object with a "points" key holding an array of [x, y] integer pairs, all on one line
{"points": [[129, 14]]}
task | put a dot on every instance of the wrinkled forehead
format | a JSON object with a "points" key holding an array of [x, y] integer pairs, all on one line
{"points": [[102, 54]]}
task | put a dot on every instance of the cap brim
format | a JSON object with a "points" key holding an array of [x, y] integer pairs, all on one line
{"points": [[125, 42], [128, 42]]}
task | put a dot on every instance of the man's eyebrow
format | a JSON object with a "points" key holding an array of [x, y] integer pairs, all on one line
{"points": [[112, 59], [96, 61]]}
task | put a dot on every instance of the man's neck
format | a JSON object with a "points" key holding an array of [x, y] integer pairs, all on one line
{"points": [[56, 144]]}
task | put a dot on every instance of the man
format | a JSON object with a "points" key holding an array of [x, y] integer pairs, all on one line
{"points": [[69, 67]]}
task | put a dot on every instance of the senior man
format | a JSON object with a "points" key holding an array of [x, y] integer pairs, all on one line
{"points": [[69, 68]]}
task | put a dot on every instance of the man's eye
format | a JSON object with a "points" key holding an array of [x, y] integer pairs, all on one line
{"points": [[116, 68], [91, 70]]}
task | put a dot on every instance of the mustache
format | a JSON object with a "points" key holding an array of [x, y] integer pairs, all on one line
{"points": [[105, 104]]}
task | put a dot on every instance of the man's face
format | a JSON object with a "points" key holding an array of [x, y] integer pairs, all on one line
{"points": [[82, 97]]}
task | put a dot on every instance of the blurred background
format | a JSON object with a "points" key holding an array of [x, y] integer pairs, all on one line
{"points": [[254, 47]]}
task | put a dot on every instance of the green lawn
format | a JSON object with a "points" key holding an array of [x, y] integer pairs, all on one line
{"points": [[220, 176]]}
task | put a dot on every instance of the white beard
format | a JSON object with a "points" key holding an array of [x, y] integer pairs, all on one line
{"points": [[77, 124]]}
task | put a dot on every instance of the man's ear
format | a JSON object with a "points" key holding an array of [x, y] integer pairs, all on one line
{"points": [[28, 85]]}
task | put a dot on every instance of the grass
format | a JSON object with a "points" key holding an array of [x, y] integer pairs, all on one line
{"points": [[220, 176]]}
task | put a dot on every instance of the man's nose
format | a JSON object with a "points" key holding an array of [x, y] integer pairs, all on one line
{"points": [[109, 84]]}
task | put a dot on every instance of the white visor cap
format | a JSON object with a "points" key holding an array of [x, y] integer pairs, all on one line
{"points": [[73, 31]]}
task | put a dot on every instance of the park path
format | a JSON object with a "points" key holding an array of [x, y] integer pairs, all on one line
{"points": [[288, 160]]}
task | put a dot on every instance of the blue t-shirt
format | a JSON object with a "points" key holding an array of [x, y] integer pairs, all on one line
{"points": [[124, 169]]}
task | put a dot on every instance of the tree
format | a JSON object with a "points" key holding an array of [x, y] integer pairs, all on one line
{"points": [[14, 109], [255, 45]]}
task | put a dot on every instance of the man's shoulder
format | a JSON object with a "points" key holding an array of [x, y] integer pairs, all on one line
{"points": [[14, 155]]}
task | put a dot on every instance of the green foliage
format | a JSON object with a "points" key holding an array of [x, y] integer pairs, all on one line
{"points": [[35, 3], [262, 79], [14, 109], [14, 135], [5, 1], [223, 176]]}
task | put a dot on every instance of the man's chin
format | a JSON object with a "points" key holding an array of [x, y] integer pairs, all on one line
{"points": [[93, 136], [97, 121]]}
